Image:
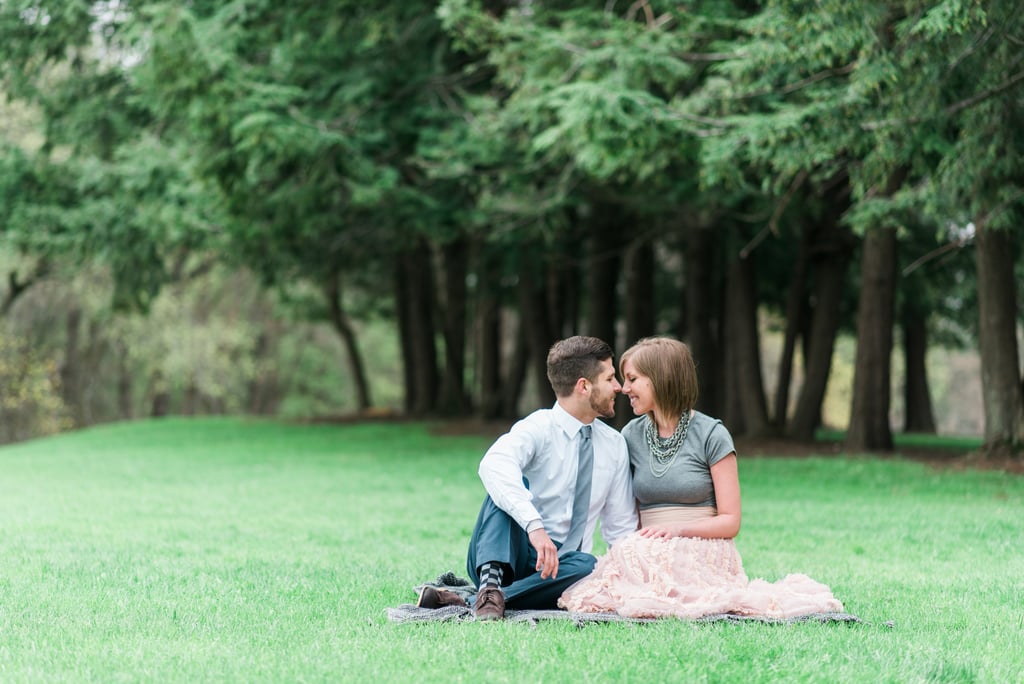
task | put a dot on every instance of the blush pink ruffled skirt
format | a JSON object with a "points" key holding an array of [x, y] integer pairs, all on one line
{"points": [[690, 578]]}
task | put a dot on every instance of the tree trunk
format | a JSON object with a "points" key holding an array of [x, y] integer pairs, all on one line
{"points": [[161, 403], [796, 311], [917, 398], [403, 314], [125, 400], [17, 287], [997, 339], [534, 318], [415, 285], [563, 296], [830, 258], [515, 378], [453, 400], [639, 275], [703, 323], [749, 414], [869, 428], [488, 319], [604, 259], [343, 326], [71, 368], [190, 398]]}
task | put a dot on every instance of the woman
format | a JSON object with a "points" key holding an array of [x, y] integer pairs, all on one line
{"points": [[683, 561]]}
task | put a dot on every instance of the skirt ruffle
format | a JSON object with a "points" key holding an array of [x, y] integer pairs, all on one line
{"points": [[690, 578]]}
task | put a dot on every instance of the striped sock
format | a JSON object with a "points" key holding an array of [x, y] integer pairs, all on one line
{"points": [[490, 574]]}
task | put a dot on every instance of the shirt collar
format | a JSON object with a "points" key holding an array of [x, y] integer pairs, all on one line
{"points": [[570, 424]]}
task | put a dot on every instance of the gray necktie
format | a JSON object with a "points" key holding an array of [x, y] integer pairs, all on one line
{"points": [[581, 503]]}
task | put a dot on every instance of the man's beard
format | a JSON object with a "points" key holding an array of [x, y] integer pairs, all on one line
{"points": [[596, 401]]}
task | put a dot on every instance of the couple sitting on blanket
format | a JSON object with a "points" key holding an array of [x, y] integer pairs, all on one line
{"points": [[559, 470]]}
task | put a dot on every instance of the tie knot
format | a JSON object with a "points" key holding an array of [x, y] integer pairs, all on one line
{"points": [[585, 432]]}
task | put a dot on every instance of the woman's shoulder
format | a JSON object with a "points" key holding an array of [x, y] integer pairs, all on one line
{"points": [[713, 433], [634, 427], [704, 421]]}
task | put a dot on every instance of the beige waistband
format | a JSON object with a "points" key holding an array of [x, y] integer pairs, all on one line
{"points": [[669, 515]]}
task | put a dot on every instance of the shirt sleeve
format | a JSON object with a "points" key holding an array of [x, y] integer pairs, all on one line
{"points": [[719, 444], [501, 471], [618, 518]]}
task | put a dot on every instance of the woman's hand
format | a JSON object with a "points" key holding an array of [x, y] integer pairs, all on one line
{"points": [[655, 532]]}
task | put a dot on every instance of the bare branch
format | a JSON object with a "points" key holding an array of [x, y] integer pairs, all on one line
{"points": [[803, 83], [951, 109], [936, 253], [648, 13], [719, 125], [710, 56], [16, 287], [995, 90], [999, 208], [773, 222]]}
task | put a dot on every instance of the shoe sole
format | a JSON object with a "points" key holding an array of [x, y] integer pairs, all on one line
{"points": [[489, 618]]}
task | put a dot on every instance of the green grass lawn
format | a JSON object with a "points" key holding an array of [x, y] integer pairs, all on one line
{"points": [[246, 551]]}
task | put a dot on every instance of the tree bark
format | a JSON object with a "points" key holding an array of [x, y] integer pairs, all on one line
{"points": [[488, 319], [71, 368], [405, 333], [264, 391], [17, 287], [563, 296], [830, 258], [997, 339], [703, 322], [869, 428], [416, 283], [125, 399], [604, 259], [747, 411], [161, 397], [917, 398], [455, 256], [343, 326], [639, 275], [796, 311], [515, 378], [535, 318]]}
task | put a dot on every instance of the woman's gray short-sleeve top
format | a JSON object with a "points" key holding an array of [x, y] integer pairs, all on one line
{"points": [[688, 480]]}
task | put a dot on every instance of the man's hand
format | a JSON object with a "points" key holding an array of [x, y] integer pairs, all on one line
{"points": [[547, 553]]}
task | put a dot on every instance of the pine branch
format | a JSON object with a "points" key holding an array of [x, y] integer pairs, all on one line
{"points": [[803, 83], [773, 223], [951, 109], [936, 253]]}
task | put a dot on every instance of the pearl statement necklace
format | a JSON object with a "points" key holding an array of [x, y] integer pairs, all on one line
{"points": [[665, 451]]}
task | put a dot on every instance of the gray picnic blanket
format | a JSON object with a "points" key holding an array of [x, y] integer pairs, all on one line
{"points": [[408, 612]]}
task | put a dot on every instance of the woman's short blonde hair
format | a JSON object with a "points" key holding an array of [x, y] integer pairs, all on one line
{"points": [[670, 367]]}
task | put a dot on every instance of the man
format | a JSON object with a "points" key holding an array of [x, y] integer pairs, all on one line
{"points": [[548, 481]]}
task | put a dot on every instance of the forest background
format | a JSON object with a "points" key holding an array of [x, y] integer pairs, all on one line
{"points": [[303, 210]]}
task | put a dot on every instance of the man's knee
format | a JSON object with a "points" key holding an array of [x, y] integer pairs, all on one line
{"points": [[577, 563]]}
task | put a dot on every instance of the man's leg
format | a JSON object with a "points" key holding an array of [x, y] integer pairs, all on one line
{"points": [[499, 541], [542, 594]]}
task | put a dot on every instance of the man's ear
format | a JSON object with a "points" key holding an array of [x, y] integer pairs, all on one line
{"points": [[582, 385]]}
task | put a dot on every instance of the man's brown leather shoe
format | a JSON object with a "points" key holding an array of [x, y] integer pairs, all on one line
{"points": [[438, 598], [490, 604]]}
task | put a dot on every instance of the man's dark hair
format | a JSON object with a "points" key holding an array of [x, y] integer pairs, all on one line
{"points": [[574, 358]]}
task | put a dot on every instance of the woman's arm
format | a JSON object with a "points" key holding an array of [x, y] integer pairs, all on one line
{"points": [[725, 525]]}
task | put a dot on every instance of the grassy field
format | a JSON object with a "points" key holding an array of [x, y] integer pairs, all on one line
{"points": [[244, 551]]}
